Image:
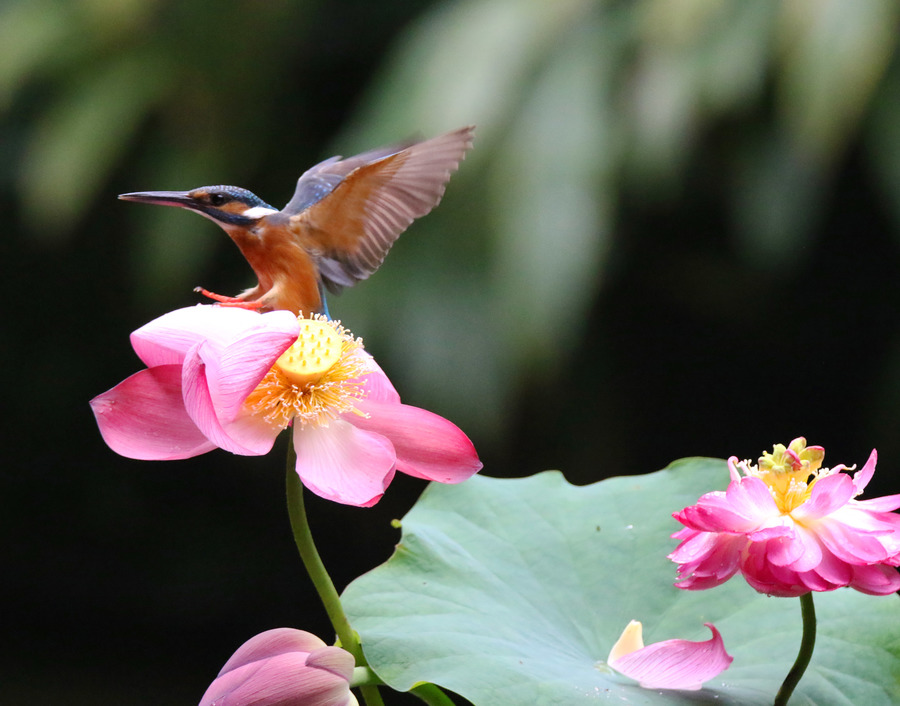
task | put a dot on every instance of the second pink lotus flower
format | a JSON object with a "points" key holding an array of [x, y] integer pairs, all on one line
{"points": [[791, 527]]}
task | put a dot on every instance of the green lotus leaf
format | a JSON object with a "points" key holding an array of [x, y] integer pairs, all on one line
{"points": [[513, 591]]}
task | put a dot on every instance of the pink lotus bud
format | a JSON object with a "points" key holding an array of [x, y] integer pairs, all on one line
{"points": [[284, 667]]}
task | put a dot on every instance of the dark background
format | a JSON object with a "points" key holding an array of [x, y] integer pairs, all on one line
{"points": [[677, 235]]}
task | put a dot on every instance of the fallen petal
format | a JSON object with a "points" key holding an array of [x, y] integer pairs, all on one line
{"points": [[671, 664]]}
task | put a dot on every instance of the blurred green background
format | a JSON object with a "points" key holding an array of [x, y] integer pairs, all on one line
{"points": [[677, 235]]}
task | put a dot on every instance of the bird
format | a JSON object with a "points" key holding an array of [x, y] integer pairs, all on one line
{"points": [[335, 231]]}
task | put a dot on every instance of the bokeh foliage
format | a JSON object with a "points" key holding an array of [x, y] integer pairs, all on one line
{"points": [[580, 105], [676, 235]]}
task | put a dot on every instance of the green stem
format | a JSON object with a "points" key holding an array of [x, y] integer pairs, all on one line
{"points": [[363, 676], [431, 695], [319, 574], [807, 643]]}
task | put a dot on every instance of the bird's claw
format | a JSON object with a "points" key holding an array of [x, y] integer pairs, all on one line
{"points": [[230, 301]]}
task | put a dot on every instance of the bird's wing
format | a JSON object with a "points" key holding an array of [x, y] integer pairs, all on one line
{"points": [[372, 199], [315, 184]]}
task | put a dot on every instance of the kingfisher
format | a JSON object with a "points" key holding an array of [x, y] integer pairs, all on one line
{"points": [[336, 230]]}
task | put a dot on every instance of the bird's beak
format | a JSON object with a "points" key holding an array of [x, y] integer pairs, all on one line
{"points": [[162, 198]]}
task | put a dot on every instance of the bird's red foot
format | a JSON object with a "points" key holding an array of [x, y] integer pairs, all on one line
{"points": [[229, 301]]}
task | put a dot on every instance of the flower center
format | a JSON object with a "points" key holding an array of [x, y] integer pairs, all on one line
{"points": [[315, 380], [316, 349], [790, 472]]}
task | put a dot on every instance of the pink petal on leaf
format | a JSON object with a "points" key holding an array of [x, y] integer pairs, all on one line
{"points": [[427, 445], [675, 664], [143, 417], [344, 464]]}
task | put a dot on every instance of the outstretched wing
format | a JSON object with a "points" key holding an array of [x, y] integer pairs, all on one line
{"points": [[372, 199]]}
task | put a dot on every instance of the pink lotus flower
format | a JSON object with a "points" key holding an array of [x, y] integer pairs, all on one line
{"points": [[234, 379], [791, 527], [284, 667], [671, 664]]}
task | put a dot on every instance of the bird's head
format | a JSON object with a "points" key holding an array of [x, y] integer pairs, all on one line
{"points": [[226, 205]]}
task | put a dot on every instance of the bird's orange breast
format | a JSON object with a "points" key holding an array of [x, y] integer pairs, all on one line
{"points": [[288, 276]]}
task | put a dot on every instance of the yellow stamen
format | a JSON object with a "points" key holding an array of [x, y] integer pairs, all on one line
{"points": [[317, 339], [315, 380], [790, 472]]}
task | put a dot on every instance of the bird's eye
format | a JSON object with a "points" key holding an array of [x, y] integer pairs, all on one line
{"points": [[217, 199]]}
